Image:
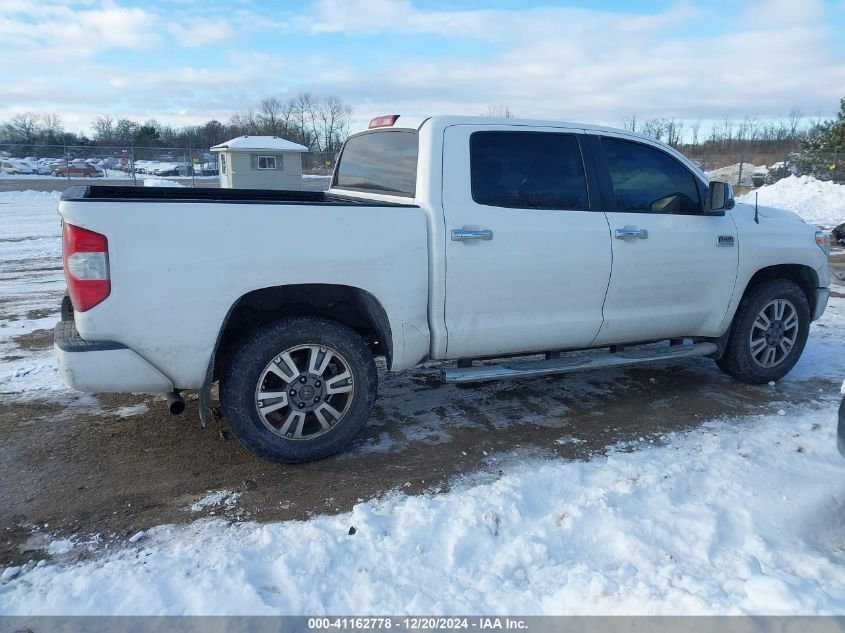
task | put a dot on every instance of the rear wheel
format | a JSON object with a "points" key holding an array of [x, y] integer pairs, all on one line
{"points": [[768, 333], [299, 389]]}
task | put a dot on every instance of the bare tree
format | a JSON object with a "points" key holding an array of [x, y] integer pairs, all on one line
{"points": [[244, 123], [52, 127], [654, 128], [124, 130], [270, 116], [795, 122], [630, 123], [334, 117], [302, 118], [674, 131], [23, 127], [694, 129], [104, 129], [499, 111]]}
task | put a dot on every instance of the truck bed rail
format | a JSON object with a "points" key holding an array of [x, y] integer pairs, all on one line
{"points": [[112, 193]]}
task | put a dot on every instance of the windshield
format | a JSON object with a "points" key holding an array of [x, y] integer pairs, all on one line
{"points": [[379, 162]]}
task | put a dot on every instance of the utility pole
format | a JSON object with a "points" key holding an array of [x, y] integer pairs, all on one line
{"points": [[67, 164], [132, 161]]}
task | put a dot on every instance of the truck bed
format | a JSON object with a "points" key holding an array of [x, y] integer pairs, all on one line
{"points": [[179, 262], [110, 193]]}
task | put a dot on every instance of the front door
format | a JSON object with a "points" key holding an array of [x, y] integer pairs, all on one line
{"points": [[674, 267], [528, 250]]}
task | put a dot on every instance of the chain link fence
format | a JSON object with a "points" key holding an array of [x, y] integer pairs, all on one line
{"points": [[196, 167]]}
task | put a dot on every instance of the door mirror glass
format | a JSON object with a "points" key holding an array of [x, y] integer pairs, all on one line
{"points": [[721, 196]]}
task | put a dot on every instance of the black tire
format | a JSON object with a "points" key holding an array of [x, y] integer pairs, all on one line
{"points": [[246, 367], [738, 360]]}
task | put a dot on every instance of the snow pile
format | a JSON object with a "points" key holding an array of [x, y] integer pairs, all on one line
{"points": [[220, 498], [730, 174], [816, 201], [161, 182], [128, 412], [737, 516], [33, 285]]}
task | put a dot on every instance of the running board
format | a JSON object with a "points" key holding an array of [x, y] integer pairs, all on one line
{"points": [[576, 362]]}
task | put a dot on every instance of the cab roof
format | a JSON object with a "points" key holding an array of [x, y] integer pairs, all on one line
{"points": [[415, 122]]}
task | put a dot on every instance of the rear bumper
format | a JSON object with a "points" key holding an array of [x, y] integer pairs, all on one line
{"points": [[104, 366], [822, 296]]}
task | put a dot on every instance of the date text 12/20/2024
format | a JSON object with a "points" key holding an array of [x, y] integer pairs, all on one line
{"points": [[417, 623]]}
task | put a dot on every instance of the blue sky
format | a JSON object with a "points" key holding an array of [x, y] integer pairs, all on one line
{"points": [[182, 61]]}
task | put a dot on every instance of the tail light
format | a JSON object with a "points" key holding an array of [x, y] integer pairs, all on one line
{"points": [[85, 257]]}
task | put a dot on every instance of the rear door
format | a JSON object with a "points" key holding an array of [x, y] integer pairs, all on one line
{"points": [[527, 247], [674, 267]]}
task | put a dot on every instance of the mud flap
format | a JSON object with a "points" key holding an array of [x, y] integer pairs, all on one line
{"points": [[205, 392], [205, 397], [721, 343]]}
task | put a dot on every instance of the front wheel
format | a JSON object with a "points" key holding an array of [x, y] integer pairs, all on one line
{"points": [[299, 389], [768, 333]]}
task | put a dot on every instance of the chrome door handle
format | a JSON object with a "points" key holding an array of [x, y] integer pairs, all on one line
{"points": [[629, 234], [471, 234]]}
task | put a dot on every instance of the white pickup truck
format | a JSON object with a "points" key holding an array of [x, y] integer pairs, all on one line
{"points": [[441, 239]]}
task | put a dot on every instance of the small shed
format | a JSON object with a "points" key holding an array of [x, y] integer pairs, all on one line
{"points": [[260, 162]]}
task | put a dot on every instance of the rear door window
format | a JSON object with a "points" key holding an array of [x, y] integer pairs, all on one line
{"points": [[648, 180], [379, 162], [528, 170]]}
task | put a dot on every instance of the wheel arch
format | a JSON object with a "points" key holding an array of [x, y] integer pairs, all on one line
{"points": [[354, 307], [802, 275]]}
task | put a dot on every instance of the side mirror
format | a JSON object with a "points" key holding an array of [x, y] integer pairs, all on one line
{"points": [[721, 197]]}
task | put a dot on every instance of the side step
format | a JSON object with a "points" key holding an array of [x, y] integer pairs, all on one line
{"points": [[576, 362]]}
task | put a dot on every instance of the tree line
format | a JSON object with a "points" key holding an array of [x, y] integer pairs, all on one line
{"points": [[750, 134], [322, 124], [319, 123]]}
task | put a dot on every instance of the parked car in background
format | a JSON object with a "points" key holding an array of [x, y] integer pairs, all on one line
{"points": [[9, 167], [78, 170], [170, 169], [15, 167], [144, 166], [207, 169]]}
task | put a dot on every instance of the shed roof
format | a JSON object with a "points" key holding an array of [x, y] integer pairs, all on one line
{"points": [[250, 143]]}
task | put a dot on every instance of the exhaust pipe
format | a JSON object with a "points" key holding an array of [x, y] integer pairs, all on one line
{"points": [[175, 404]]}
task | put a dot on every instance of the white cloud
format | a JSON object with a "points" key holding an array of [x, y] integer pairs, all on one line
{"points": [[691, 60], [73, 31], [597, 65], [201, 32]]}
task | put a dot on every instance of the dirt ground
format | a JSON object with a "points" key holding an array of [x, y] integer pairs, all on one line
{"points": [[68, 473]]}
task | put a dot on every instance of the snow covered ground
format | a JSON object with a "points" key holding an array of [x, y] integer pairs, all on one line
{"points": [[738, 515], [32, 287], [816, 201]]}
